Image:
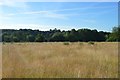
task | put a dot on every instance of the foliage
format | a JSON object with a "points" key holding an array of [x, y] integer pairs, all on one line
{"points": [[81, 43], [58, 36], [55, 35], [90, 42], [115, 36], [39, 38], [66, 43]]}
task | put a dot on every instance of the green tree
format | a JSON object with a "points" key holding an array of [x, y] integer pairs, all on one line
{"points": [[30, 38], [6, 38], [58, 36], [39, 38], [15, 39], [115, 35]]}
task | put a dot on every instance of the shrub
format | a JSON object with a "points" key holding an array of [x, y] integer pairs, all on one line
{"points": [[66, 43], [3, 43], [81, 43], [90, 42]]}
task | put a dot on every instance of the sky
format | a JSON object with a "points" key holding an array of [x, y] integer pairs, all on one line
{"points": [[102, 16]]}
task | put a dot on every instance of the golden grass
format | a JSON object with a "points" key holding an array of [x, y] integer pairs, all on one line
{"points": [[56, 60], [0, 60]]}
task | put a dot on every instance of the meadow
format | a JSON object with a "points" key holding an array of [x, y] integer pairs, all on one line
{"points": [[60, 60]]}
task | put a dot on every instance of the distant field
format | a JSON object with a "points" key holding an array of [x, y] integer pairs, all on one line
{"points": [[60, 60]]}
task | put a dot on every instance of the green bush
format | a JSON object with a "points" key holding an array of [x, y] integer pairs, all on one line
{"points": [[91, 42], [81, 43], [66, 43], [3, 43]]}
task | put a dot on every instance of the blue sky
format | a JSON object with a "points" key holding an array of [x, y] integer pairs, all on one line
{"points": [[61, 15]]}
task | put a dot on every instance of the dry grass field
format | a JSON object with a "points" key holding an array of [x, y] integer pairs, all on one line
{"points": [[0, 60], [57, 60]]}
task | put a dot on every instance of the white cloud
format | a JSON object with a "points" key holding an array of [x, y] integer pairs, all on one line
{"points": [[22, 26], [55, 15], [47, 13], [69, 9], [35, 26], [22, 3], [13, 3], [89, 21], [35, 12], [10, 14]]}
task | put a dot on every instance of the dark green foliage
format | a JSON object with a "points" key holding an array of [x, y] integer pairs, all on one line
{"points": [[81, 43], [7, 38], [66, 43], [15, 39], [55, 35], [91, 42], [58, 36], [3, 43], [30, 38], [115, 36], [39, 38]]}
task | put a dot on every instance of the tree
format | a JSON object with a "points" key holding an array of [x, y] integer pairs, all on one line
{"points": [[15, 39], [30, 38], [39, 38], [58, 36], [6, 38], [28, 35], [115, 36]]}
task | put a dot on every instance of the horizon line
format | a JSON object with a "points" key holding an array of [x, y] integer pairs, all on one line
{"points": [[56, 29]]}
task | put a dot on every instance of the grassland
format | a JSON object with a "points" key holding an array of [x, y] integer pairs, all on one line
{"points": [[0, 60], [57, 60]]}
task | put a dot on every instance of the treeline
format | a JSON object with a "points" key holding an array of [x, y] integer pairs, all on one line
{"points": [[56, 35]]}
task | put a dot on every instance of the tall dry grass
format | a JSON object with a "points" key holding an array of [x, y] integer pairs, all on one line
{"points": [[0, 60], [56, 60]]}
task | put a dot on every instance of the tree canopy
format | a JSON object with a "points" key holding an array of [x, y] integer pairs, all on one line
{"points": [[56, 35], [115, 35]]}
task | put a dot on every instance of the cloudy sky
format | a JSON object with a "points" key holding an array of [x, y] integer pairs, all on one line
{"points": [[61, 15]]}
